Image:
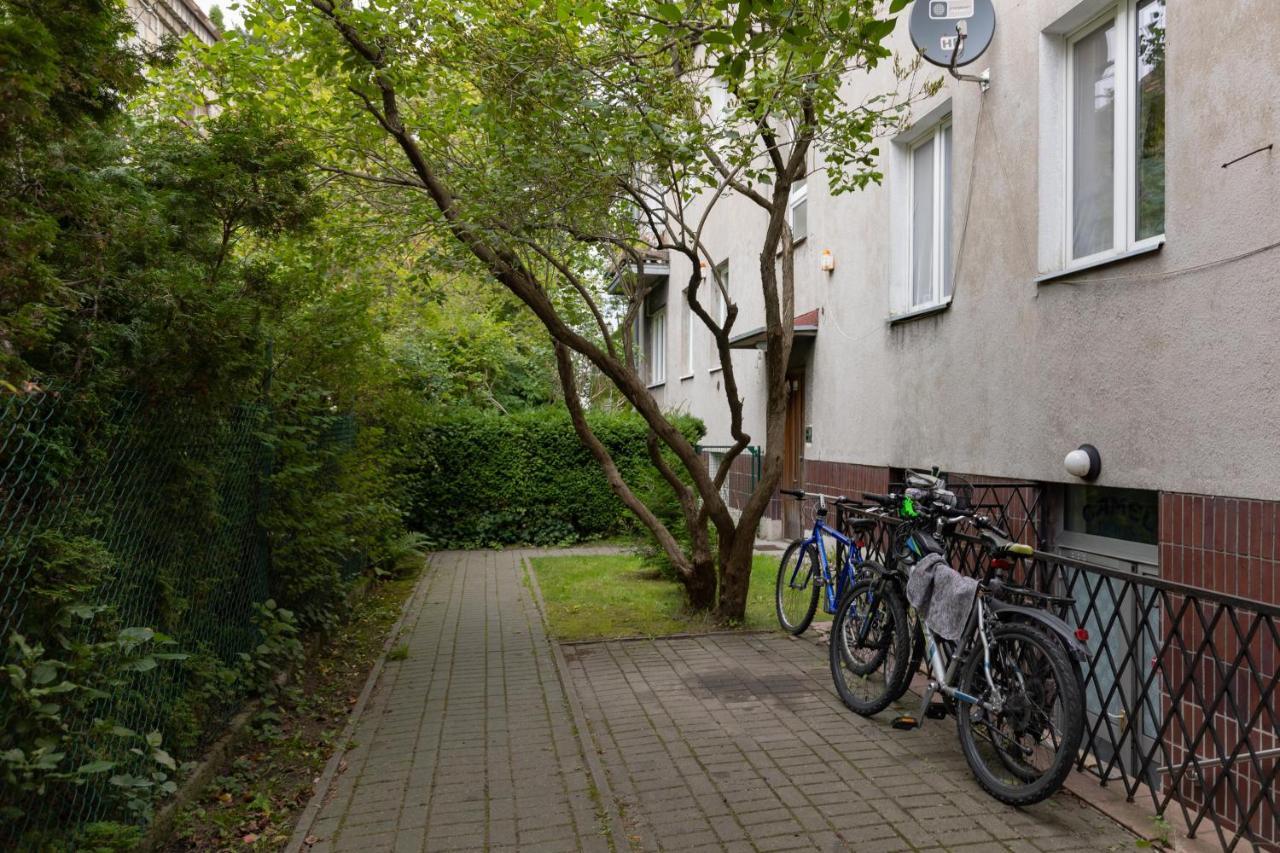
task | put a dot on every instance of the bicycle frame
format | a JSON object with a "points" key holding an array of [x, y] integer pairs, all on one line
{"points": [[833, 587], [944, 673]]}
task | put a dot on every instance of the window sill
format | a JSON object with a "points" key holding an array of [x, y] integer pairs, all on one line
{"points": [[715, 369], [686, 377], [917, 313], [653, 385], [795, 244], [1118, 257]]}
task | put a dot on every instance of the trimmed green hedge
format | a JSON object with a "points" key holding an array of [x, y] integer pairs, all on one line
{"points": [[489, 478]]}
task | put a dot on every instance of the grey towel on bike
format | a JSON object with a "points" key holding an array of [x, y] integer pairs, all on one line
{"points": [[942, 596]]}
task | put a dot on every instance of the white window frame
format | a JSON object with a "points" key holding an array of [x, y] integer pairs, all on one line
{"points": [[1059, 71], [799, 195], [656, 332], [939, 209], [901, 174], [719, 308], [690, 328]]}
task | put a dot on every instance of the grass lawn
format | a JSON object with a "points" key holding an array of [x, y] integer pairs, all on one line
{"points": [[594, 597]]}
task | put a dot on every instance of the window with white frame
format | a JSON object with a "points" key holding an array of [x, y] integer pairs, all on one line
{"points": [[1115, 132], [798, 210], [929, 253], [690, 327], [655, 335], [719, 307]]}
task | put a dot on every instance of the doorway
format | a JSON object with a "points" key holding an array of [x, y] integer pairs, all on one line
{"points": [[1117, 528]]}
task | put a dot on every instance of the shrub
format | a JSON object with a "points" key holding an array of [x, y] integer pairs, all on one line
{"points": [[489, 478]]}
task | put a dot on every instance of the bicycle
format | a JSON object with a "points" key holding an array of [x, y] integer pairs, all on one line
{"points": [[804, 569], [910, 509], [1012, 677]]}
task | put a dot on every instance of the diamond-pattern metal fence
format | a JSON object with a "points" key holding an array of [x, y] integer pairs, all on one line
{"points": [[1181, 685], [168, 502]]}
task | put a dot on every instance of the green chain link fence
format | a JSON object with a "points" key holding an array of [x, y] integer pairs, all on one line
{"points": [[149, 519]]}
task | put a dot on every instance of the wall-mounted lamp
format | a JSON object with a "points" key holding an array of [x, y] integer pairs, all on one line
{"points": [[1084, 462], [828, 262]]}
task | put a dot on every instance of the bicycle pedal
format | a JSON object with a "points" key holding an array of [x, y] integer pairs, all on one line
{"points": [[906, 722], [936, 711]]}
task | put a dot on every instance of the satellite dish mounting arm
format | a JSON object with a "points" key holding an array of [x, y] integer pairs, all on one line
{"points": [[983, 79]]}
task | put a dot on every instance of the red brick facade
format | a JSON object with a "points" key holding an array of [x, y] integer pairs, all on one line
{"points": [[1228, 546]]}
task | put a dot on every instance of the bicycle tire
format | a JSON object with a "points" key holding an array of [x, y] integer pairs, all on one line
{"points": [[1023, 790], [917, 651], [786, 570], [888, 642]]}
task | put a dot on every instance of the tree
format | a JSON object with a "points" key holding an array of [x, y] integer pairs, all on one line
{"points": [[65, 72], [551, 139]]}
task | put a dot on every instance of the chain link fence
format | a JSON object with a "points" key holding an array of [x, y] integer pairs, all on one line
{"points": [[146, 517]]}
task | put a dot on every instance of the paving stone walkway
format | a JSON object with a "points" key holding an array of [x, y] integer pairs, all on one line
{"points": [[468, 743], [739, 743], [725, 742]]}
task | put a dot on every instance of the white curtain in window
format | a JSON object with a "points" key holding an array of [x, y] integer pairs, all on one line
{"points": [[689, 320], [658, 347], [1093, 142], [922, 224], [944, 188]]}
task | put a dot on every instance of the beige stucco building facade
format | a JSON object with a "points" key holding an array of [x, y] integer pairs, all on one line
{"points": [[1165, 355], [157, 20], [1088, 252]]}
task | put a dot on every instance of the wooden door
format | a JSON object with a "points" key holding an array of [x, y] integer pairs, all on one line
{"points": [[793, 456]]}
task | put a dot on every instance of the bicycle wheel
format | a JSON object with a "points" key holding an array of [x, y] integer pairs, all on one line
{"points": [[1023, 753], [917, 651], [870, 646], [796, 596]]}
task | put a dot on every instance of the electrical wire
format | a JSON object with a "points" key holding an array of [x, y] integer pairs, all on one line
{"points": [[1144, 276]]}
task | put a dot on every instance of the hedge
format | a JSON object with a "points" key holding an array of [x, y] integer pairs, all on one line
{"points": [[489, 478]]}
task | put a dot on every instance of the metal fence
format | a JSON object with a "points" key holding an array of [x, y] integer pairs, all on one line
{"points": [[164, 504], [744, 472], [1181, 687]]}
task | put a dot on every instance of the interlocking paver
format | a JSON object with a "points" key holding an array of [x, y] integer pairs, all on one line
{"points": [[470, 732], [790, 767], [724, 742]]}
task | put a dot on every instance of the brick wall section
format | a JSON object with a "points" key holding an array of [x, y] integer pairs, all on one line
{"points": [[844, 478], [1221, 544], [841, 479], [1225, 545]]}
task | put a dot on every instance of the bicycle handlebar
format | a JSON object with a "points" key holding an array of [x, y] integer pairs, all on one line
{"points": [[801, 494]]}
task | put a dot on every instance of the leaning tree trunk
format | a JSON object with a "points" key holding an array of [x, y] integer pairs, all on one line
{"points": [[736, 553]]}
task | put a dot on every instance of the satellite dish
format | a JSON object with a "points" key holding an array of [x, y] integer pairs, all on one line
{"points": [[952, 33]]}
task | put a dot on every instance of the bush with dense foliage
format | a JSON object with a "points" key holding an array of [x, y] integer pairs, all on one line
{"points": [[489, 478], [205, 406]]}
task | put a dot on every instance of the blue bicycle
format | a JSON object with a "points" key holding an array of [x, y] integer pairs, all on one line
{"points": [[805, 569]]}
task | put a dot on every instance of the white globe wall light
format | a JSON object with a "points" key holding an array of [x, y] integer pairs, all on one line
{"points": [[1084, 462]]}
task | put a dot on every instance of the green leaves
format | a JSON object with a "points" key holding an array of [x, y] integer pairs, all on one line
{"points": [[493, 479], [94, 767], [671, 12]]}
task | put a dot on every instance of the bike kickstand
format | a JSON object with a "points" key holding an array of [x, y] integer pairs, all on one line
{"points": [[907, 722]]}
